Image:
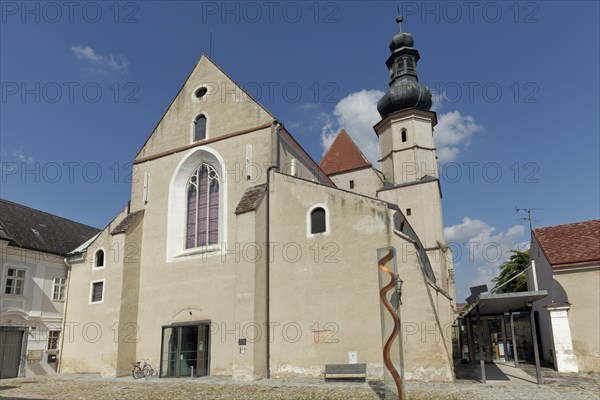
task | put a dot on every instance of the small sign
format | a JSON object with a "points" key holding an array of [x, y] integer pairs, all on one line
{"points": [[34, 355], [352, 357], [242, 342]]}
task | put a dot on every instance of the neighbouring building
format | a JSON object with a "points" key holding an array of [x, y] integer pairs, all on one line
{"points": [[33, 246], [238, 254], [567, 265]]}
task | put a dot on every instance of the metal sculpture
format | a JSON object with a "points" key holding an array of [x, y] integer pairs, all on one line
{"points": [[388, 344]]}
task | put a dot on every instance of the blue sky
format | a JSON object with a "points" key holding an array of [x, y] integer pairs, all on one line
{"points": [[516, 88]]}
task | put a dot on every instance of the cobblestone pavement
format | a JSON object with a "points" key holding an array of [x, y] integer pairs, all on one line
{"points": [[82, 387]]}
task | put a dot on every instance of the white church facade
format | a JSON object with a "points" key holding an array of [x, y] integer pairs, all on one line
{"points": [[238, 254]]}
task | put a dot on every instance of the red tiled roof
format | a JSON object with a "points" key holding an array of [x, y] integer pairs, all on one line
{"points": [[343, 155], [570, 244]]}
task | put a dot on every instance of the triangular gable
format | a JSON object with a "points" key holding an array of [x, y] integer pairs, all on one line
{"points": [[227, 107], [343, 155]]}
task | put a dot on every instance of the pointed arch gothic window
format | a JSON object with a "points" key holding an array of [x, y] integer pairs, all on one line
{"points": [[202, 221], [403, 135]]}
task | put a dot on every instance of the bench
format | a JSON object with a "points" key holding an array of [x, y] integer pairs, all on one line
{"points": [[345, 371]]}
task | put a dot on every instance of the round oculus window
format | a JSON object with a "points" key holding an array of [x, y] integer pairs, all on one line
{"points": [[201, 92]]}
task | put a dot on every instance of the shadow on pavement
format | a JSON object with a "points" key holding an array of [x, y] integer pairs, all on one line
{"points": [[377, 387]]}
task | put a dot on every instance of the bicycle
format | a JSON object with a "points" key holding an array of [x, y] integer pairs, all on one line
{"points": [[142, 369]]}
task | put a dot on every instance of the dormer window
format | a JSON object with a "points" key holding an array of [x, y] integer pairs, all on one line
{"points": [[200, 128]]}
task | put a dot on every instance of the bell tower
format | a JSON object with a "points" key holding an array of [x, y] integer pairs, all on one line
{"points": [[407, 152], [406, 148]]}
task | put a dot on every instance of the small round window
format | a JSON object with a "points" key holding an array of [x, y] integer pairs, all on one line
{"points": [[201, 92]]}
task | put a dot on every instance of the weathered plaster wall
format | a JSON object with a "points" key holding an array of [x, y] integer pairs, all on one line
{"points": [[366, 181], [91, 336], [325, 288]]}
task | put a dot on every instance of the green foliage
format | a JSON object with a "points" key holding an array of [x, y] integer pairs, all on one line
{"points": [[518, 262]]}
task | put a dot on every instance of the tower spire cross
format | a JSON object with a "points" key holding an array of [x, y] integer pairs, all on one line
{"points": [[399, 19]]}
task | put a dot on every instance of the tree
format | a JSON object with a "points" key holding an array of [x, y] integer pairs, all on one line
{"points": [[518, 262]]}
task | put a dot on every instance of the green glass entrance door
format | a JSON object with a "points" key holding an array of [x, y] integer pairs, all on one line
{"points": [[495, 347], [185, 351]]}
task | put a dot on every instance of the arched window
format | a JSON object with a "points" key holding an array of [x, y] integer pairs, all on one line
{"points": [[318, 222], [410, 65], [99, 259], [200, 128], [403, 135], [202, 219]]}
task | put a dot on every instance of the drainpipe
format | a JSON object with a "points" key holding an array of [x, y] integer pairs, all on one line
{"points": [[534, 274], [64, 321], [277, 126]]}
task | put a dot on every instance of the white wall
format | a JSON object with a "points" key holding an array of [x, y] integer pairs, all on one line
{"points": [[34, 310]]}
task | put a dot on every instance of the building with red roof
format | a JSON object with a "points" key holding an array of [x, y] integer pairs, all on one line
{"points": [[348, 167], [567, 265]]}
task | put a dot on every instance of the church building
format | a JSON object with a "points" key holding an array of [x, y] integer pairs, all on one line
{"points": [[240, 255]]}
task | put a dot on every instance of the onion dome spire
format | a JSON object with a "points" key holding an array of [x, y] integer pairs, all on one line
{"points": [[401, 39], [405, 90]]}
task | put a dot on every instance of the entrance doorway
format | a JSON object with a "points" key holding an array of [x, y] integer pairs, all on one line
{"points": [[495, 345], [185, 350], [497, 333], [10, 352]]}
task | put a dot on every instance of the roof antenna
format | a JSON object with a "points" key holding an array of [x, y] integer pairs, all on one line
{"points": [[528, 217]]}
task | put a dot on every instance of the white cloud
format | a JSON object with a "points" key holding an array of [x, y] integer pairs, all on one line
{"points": [[437, 100], [465, 230], [480, 248], [356, 113], [452, 134], [293, 125], [447, 154], [99, 63], [22, 157], [484, 276], [307, 106]]}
